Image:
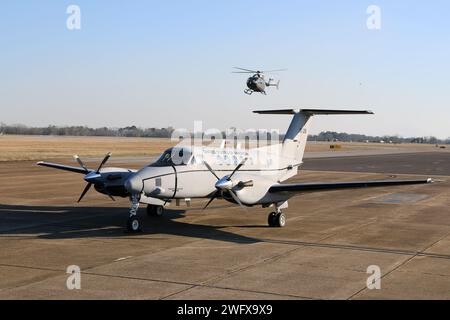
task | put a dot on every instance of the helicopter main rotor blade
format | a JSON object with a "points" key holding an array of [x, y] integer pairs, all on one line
{"points": [[276, 70], [86, 189], [248, 70]]}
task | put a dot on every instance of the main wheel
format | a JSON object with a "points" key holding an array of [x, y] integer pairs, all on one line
{"points": [[272, 219], [280, 220], [134, 224], [155, 211]]}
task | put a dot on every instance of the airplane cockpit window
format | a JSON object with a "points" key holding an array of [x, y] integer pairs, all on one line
{"points": [[172, 157]]}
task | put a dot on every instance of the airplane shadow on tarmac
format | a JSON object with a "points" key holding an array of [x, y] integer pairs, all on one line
{"points": [[61, 222], [66, 222]]}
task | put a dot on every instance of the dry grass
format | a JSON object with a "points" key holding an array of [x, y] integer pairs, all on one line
{"points": [[50, 147]]}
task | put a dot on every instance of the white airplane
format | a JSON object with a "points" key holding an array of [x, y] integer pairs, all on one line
{"points": [[248, 178]]}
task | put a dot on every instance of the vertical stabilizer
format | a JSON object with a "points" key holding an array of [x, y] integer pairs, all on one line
{"points": [[294, 143]]}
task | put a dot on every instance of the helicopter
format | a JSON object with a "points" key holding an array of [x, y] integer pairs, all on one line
{"points": [[257, 83]]}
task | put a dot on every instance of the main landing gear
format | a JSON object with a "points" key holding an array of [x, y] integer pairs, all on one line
{"points": [[277, 219], [155, 211]]}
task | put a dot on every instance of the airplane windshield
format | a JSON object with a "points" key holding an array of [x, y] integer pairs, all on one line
{"points": [[172, 157]]}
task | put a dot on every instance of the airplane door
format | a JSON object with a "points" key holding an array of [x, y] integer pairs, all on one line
{"points": [[173, 183]]}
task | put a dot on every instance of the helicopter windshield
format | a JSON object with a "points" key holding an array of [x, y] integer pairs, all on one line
{"points": [[172, 157]]}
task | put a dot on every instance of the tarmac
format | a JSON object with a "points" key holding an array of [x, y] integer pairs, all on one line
{"points": [[324, 252]]}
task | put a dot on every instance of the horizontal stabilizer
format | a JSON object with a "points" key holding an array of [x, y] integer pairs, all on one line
{"points": [[310, 187], [312, 111], [279, 111]]}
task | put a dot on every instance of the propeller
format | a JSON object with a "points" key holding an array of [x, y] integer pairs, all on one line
{"points": [[225, 184], [92, 175]]}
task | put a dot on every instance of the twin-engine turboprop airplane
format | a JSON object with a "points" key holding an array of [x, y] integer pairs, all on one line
{"points": [[244, 177]]}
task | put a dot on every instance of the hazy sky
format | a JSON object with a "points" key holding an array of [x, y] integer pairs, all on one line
{"points": [[161, 63]]}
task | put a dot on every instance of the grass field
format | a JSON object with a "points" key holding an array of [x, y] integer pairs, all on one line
{"points": [[14, 148]]}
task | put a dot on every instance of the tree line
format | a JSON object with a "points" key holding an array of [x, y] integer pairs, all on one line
{"points": [[342, 136], [133, 131]]}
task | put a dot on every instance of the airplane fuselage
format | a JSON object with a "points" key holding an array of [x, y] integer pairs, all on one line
{"points": [[193, 179]]}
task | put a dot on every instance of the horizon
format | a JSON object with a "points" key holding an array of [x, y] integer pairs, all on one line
{"points": [[204, 132]]}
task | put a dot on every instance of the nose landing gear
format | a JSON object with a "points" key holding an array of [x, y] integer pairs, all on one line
{"points": [[133, 223]]}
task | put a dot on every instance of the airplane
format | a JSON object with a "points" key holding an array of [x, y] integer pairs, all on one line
{"points": [[257, 82], [248, 178]]}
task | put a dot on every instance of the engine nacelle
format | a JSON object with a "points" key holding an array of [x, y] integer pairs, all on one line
{"points": [[253, 194]]}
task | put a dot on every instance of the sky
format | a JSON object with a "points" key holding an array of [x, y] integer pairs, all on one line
{"points": [[169, 63]]}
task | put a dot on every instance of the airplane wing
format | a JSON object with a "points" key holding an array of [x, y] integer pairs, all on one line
{"points": [[316, 187], [63, 167]]}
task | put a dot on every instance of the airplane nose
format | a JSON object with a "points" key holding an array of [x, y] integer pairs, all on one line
{"points": [[133, 185]]}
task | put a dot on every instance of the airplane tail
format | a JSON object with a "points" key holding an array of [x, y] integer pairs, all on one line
{"points": [[294, 142]]}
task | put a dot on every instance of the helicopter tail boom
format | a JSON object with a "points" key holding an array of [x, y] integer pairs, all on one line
{"points": [[271, 84]]}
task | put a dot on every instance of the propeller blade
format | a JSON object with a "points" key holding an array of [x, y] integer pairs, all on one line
{"points": [[235, 197], [104, 161], [76, 157], [112, 198], [211, 200], [86, 189], [237, 168], [211, 170]]}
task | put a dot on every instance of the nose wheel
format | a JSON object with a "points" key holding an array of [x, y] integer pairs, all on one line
{"points": [[277, 219], [134, 225]]}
